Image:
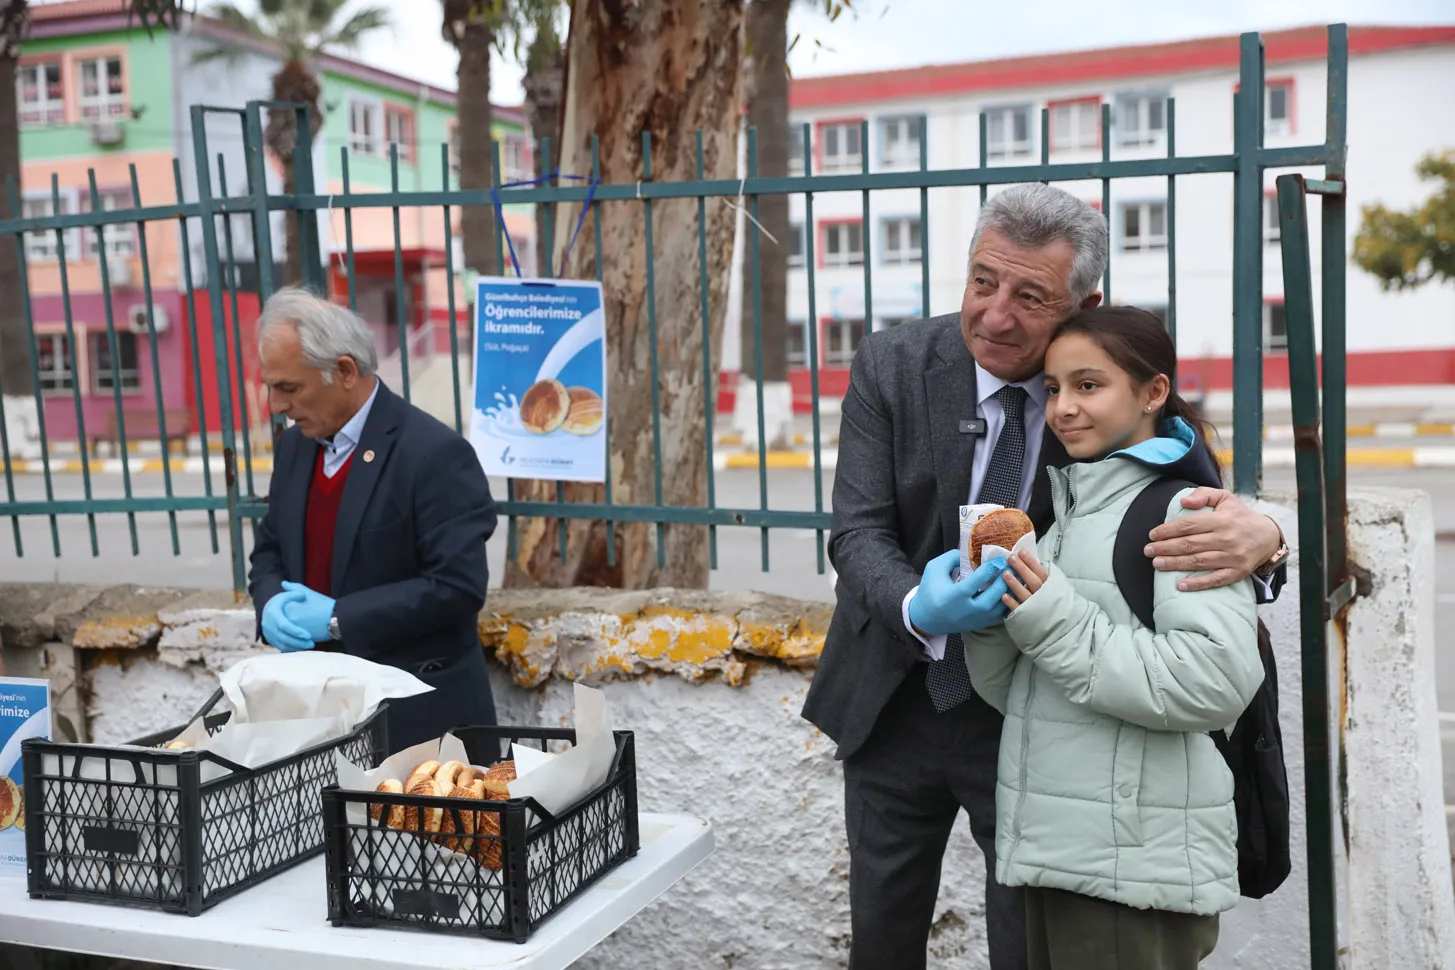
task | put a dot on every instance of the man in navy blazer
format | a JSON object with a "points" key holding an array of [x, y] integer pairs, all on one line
{"points": [[374, 541]]}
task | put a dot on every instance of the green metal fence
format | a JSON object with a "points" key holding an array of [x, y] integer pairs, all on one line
{"points": [[241, 495]]}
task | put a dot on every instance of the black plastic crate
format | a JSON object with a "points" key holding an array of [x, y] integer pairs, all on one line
{"points": [[383, 875], [117, 824]]}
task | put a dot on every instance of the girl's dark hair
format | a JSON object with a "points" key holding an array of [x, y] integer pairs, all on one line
{"points": [[1139, 344]]}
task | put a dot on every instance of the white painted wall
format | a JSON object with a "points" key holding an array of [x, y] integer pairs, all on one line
{"points": [[1398, 111]]}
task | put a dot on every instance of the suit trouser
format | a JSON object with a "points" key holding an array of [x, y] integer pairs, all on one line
{"points": [[902, 791], [1069, 931]]}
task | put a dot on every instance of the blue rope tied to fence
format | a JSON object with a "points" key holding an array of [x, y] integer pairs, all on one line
{"points": [[556, 175]]}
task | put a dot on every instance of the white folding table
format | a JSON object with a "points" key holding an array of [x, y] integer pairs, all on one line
{"points": [[283, 923]]}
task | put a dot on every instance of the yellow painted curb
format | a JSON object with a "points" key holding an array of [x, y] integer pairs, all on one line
{"points": [[773, 459]]}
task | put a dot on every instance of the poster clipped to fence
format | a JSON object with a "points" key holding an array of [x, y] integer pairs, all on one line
{"points": [[540, 379], [24, 713]]}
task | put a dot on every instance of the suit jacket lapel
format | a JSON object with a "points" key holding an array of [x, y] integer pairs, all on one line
{"points": [[950, 393], [369, 457], [292, 505]]}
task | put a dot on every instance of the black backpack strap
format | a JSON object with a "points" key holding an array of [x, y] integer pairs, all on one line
{"points": [[1131, 567]]}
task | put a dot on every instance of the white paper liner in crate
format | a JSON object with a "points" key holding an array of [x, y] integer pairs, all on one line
{"points": [[971, 514], [556, 781], [282, 704]]}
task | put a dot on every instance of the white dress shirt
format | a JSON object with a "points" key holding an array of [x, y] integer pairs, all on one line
{"points": [[988, 409], [336, 450]]}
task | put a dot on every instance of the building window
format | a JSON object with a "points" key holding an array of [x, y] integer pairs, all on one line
{"points": [[120, 238], [843, 244], [364, 127], [841, 340], [57, 370], [795, 152], [1008, 133], [1144, 226], [795, 247], [1275, 328], [841, 147], [797, 344], [102, 92], [1076, 126], [98, 350], [1278, 108], [1141, 120], [899, 141], [39, 94], [902, 241], [454, 140], [1272, 228], [41, 244], [515, 159], [399, 130]]}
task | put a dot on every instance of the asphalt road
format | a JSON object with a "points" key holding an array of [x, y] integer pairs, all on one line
{"points": [[793, 556]]}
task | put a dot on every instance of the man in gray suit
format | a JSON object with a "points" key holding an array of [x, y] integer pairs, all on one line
{"points": [[941, 413]]}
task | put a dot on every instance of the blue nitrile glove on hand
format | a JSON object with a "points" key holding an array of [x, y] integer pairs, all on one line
{"points": [[941, 605], [278, 629], [311, 611]]}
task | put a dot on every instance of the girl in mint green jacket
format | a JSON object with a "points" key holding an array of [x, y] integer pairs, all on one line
{"points": [[1113, 806]]}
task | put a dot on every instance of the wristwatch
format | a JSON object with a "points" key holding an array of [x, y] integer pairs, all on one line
{"points": [[333, 628], [1267, 569]]}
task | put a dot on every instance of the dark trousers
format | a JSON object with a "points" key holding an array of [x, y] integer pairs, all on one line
{"points": [[1068, 931], [461, 698], [902, 791]]}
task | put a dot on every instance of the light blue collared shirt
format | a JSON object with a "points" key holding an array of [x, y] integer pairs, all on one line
{"points": [[336, 450]]}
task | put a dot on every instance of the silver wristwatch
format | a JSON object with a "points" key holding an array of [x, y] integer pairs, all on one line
{"points": [[333, 628]]}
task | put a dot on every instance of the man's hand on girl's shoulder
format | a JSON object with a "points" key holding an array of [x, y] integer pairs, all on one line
{"points": [[1226, 545]]}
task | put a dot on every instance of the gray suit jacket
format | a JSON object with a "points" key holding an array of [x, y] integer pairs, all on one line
{"points": [[903, 472]]}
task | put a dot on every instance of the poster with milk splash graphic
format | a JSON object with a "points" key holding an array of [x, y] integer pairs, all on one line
{"points": [[25, 713], [540, 379]]}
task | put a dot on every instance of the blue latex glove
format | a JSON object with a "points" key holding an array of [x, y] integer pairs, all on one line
{"points": [[278, 629], [311, 611], [941, 605]]}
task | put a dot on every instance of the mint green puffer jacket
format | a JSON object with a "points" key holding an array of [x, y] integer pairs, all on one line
{"points": [[1109, 785]]}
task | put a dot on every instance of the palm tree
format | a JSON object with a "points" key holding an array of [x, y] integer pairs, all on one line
{"points": [[545, 68], [470, 25], [302, 30]]}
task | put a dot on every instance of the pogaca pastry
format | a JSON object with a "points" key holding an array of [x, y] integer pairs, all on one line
{"points": [[1003, 528], [475, 834]]}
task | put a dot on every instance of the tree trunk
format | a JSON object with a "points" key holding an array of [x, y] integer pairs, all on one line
{"points": [[546, 65], [477, 146], [15, 375], [671, 69], [767, 96], [294, 84]]}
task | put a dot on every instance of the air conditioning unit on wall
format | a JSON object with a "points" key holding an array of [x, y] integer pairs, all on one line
{"points": [[118, 271], [107, 132], [136, 318]]}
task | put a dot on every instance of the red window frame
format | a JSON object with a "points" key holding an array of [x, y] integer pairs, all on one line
{"points": [[818, 137], [1051, 106]]}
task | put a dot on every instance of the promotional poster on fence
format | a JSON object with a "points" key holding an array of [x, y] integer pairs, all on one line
{"points": [[540, 379], [24, 713]]}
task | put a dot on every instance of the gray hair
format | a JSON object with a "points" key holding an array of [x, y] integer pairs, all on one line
{"points": [[326, 331], [1035, 215]]}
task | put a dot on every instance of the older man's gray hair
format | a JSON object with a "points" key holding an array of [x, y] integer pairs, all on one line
{"points": [[326, 331], [1035, 215]]}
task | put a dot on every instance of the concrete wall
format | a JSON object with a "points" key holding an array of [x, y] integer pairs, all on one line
{"points": [[712, 684]]}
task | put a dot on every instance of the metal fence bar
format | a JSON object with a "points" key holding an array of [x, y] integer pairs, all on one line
{"points": [[1171, 119], [264, 255], [63, 247], [984, 169], [194, 341], [652, 338], [1313, 618], [45, 452], [9, 473], [499, 268], [449, 287], [1248, 270], [1106, 194], [866, 230], [115, 360], [811, 345], [348, 205], [754, 233], [146, 280], [230, 278], [309, 248], [924, 219], [403, 307], [709, 378], [1334, 266], [610, 524], [257, 172]]}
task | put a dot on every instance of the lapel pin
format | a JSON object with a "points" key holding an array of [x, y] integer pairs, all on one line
{"points": [[369, 455]]}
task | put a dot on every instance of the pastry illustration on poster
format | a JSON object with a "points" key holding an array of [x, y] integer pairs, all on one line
{"points": [[24, 713], [540, 379]]}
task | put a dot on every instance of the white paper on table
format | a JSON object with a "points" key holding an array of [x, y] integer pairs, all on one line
{"points": [[285, 687], [527, 759]]}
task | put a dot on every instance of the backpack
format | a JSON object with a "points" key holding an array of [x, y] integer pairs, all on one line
{"points": [[1254, 753]]}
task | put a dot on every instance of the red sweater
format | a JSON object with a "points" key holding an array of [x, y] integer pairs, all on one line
{"points": [[324, 496]]}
